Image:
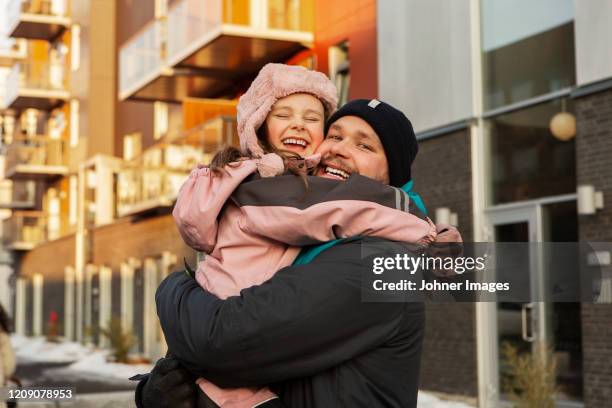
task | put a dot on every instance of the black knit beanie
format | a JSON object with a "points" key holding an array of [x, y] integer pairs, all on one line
{"points": [[394, 131]]}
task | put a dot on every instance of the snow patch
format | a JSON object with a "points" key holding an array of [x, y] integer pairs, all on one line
{"points": [[85, 359], [38, 349], [427, 400], [96, 363]]}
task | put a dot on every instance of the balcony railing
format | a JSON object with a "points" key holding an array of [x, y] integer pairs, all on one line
{"points": [[142, 58], [17, 195], [203, 46], [23, 230], [36, 84], [38, 157], [11, 51], [37, 19], [190, 23], [152, 180]]}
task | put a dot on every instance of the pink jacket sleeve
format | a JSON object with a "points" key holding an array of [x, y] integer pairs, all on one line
{"points": [[281, 209], [201, 199]]}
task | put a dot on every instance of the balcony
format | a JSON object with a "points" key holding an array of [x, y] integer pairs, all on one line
{"points": [[152, 181], [23, 230], [11, 51], [36, 85], [36, 19], [36, 158], [203, 47], [19, 195]]}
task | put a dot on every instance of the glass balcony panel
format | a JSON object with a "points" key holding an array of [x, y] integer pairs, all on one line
{"points": [[24, 230], [13, 10], [294, 15], [6, 193], [37, 19], [141, 58], [185, 54], [17, 195], [11, 85], [190, 24], [35, 84], [45, 7], [11, 50], [35, 156], [153, 179]]}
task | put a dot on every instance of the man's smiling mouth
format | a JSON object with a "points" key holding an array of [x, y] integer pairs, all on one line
{"points": [[335, 172]]}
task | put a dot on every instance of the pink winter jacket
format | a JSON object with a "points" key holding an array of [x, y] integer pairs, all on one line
{"points": [[251, 229]]}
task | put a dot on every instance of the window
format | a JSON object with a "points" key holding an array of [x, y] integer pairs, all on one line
{"points": [[75, 48], [526, 54], [339, 71], [132, 146], [74, 123], [73, 191], [527, 161], [160, 119]]}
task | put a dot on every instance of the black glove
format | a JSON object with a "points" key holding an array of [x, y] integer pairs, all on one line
{"points": [[168, 385]]}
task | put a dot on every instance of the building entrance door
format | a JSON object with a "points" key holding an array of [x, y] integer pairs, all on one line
{"points": [[534, 327]]}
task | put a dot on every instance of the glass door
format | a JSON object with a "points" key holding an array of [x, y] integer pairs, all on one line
{"points": [[532, 327]]}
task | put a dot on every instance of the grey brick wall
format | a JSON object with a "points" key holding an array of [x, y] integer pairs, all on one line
{"points": [[442, 175], [594, 166]]}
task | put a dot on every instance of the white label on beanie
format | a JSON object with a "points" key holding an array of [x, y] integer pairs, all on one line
{"points": [[374, 103]]}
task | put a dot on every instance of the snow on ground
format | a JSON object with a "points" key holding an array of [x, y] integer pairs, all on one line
{"points": [[38, 349], [427, 400], [96, 363], [82, 359]]}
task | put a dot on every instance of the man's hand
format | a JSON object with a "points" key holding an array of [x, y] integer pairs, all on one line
{"points": [[169, 385], [448, 244]]}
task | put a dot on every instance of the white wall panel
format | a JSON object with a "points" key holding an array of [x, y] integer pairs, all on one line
{"points": [[424, 63], [593, 28]]}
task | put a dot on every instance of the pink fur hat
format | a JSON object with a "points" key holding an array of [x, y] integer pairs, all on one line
{"points": [[273, 82]]}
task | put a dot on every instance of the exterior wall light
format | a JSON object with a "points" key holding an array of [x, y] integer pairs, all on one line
{"points": [[563, 124], [589, 200], [444, 215]]}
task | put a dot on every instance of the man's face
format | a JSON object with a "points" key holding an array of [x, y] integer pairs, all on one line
{"points": [[352, 146]]}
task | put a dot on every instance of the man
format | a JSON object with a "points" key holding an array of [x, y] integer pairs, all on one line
{"points": [[306, 332]]}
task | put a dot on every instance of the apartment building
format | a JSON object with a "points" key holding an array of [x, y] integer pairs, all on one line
{"points": [[123, 101], [34, 128]]}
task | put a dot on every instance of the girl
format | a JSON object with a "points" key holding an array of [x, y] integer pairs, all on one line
{"points": [[280, 120]]}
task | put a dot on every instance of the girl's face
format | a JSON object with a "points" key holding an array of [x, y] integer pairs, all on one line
{"points": [[295, 123]]}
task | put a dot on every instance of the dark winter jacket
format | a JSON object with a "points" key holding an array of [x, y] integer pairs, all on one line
{"points": [[306, 332]]}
